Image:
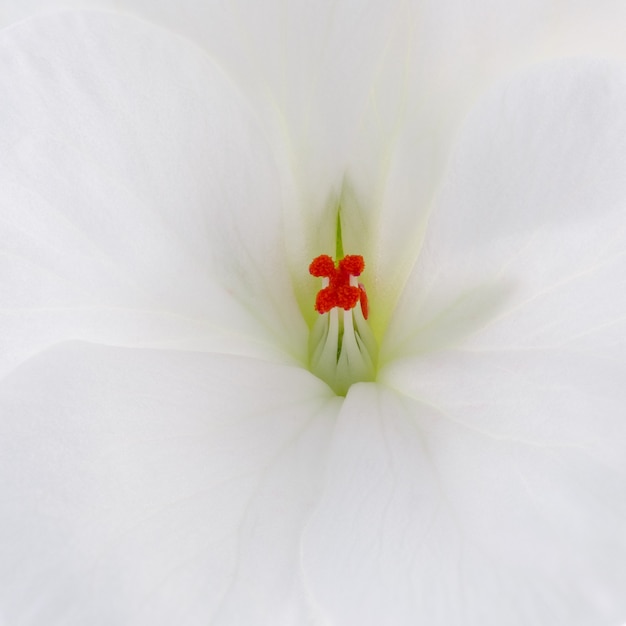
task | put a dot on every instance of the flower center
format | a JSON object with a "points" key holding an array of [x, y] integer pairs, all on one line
{"points": [[342, 347]]}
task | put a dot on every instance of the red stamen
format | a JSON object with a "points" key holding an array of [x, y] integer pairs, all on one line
{"points": [[339, 292], [353, 264], [321, 266], [363, 299]]}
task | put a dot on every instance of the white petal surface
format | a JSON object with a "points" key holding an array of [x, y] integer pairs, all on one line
{"points": [[525, 247], [425, 520], [140, 202], [157, 487], [490, 487]]}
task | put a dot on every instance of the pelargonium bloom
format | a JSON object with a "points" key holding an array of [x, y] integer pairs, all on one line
{"points": [[174, 452]]}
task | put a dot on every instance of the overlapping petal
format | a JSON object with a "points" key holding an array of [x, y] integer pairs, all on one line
{"points": [[152, 486], [525, 247], [426, 518], [141, 204]]}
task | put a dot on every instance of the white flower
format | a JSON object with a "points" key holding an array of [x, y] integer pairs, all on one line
{"points": [[167, 457]]}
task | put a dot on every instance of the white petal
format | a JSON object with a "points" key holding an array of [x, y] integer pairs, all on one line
{"points": [[425, 520], [154, 487], [441, 59], [525, 247], [140, 202]]}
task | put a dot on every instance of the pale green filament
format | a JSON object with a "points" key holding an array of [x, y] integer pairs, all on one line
{"points": [[343, 348]]}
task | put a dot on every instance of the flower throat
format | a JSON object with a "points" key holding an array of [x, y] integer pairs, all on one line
{"points": [[342, 348]]}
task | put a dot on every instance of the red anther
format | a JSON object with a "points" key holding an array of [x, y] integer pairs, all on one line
{"points": [[339, 292], [326, 300], [353, 264], [322, 266], [363, 300]]}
